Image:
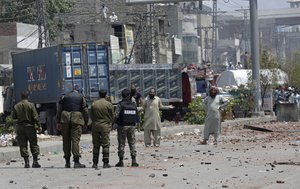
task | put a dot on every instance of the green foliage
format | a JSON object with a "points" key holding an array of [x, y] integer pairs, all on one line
{"points": [[54, 8], [242, 98], [8, 126], [197, 113], [292, 68], [267, 61], [25, 11], [268, 80], [18, 11]]}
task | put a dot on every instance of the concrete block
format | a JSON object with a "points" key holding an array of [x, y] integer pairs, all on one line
{"points": [[287, 112]]}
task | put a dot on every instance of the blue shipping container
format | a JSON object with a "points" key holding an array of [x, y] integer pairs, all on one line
{"points": [[50, 72]]}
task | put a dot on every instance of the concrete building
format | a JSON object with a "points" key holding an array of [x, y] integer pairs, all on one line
{"points": [[160, 32], [15, 37], [279, 32]]}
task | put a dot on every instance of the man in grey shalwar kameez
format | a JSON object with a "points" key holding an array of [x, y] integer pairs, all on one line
{"points": [[212, 104], [152, 121]]}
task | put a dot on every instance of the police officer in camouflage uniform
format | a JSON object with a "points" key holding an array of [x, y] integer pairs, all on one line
{"points": [[27, 124], [72, 115], [102, 115], [126, 117]]}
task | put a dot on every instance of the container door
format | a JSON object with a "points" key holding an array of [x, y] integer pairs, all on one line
{"points": [[86, 65], [72, 58], [98, 73]]}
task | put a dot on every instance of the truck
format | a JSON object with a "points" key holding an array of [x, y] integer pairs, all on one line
{"points": [[51, 72], [48, 73]]}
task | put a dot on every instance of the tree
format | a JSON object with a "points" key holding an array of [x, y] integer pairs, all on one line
{"points": [[268, 79], [292, 68], [28, 11], [268, 61]]}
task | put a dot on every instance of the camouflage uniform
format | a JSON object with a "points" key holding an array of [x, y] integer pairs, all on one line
{"points": [[102, 115], [27, 123], [72, 114], [125, 132]]}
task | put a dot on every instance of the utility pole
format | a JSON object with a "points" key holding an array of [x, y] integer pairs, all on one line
{"points": [[42, 26], [206, 44], [245, 35], [153, 51], [255, 55], [214, 33]]}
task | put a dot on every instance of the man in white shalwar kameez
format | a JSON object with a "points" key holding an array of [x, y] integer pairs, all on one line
{"points": [[152, 120], [212, 104]]}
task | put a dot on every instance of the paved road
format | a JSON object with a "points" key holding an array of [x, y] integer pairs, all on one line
{"points": [[239, 161]]}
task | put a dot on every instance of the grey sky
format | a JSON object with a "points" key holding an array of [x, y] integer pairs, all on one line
{"points": [[262, 4]]}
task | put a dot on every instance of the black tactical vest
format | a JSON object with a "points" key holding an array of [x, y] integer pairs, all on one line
{"points": [[72, 102], [128, 114]]}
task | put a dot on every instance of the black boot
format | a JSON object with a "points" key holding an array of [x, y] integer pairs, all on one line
{"points": [[134, 163], [106, 163], [120, 163], [68, 164], [95, 166], [77, 164], [95, 159], [35, 163], [26, 160]]}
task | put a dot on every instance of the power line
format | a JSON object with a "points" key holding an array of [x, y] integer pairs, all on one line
{"points": [[34, 32]]}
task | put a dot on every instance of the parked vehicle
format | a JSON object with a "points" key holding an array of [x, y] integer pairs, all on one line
{"points": [[50, 72]]}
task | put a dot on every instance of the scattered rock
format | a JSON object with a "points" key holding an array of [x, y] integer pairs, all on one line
{"points": [[224, 186], [179, 134], [279, 181], [11, 181], [165, 174], [152, 175], [7, 163], [13, 160], [45, 187]]}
